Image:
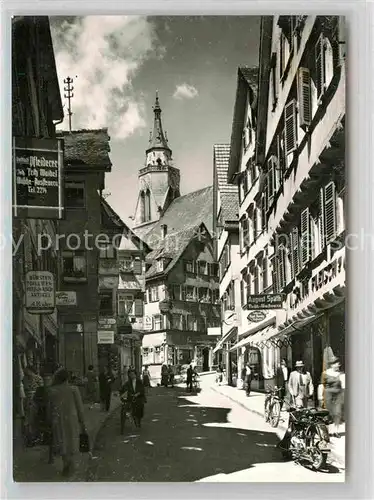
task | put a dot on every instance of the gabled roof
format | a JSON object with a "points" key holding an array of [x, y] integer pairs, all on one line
{"points": [[172, 249], [229, 193], [87, 147], [183, 219], [185, 212]]}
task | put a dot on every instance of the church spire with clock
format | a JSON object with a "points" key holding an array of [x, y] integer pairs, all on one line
{"points": [[159, 181]]}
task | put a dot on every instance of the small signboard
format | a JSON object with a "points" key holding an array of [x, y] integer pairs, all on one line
{"points": [[273, 301], [37, 178], [105, 337], [40, 292], [147, 323], [66, 299], [256, 316], [214, 330], [107, 321]]}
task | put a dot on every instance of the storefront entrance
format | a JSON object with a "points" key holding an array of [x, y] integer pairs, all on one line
{"points": [[206, 359]]}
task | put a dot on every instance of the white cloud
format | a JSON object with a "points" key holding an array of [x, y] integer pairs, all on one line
{"points": [[185, 91], [103, 54]]}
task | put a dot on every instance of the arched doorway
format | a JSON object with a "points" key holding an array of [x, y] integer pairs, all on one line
{"points": [[206, 359]]}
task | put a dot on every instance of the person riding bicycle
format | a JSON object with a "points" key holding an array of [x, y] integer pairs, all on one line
{"points": [[132, 393]]}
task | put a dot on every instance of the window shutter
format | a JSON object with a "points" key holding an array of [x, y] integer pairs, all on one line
{"points": [[270, 178], [255, 223], [290, 126], [295, 254], [330, 212], [281, 158], [274, 274], [321, 220], [263, 212], [281, 269], [320, 66], [305, 102], [137, 266], [305, 237], [138, 308]]}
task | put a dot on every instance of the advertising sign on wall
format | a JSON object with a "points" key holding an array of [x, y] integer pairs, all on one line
{"points": [[40, 292], [105, 337], [273, 301], [66, 298], [37, 178]]}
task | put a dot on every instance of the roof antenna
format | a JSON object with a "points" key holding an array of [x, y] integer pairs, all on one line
{"points": [[69, 95]]}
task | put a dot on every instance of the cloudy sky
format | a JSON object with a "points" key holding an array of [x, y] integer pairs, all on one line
{"points": [[118, 63]]}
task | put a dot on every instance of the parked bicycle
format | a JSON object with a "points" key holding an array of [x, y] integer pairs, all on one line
{"points": [[128, 412], [273, 405]]}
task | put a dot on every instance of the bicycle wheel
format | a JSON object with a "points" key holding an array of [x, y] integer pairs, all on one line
{"points": [[267, 410], [275, 414]]}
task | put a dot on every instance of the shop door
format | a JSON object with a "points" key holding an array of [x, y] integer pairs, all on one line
{"points": [[206, 359]]}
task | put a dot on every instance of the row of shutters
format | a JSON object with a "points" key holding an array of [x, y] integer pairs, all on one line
{"points": [[301, 241]]}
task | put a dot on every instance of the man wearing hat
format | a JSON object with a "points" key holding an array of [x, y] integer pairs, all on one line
{"points": [[300, 385]]}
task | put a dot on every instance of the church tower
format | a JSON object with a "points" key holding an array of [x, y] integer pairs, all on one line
{"points": [[159, 181]]}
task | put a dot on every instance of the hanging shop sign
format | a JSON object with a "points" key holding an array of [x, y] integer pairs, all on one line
{"points": [[105, 337], [273, 301], [37, 178], [40, 292], [256, 316], [66, 298]]}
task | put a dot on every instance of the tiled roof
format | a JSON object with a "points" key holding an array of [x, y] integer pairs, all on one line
{"points": [[183, 219], [87, 147], [228, 193], [221, 161], [109, 217], [185, 212], [130, 283], [172, 247]]}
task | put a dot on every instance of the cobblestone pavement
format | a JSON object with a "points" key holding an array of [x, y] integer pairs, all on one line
{"points": [[204, 437]]}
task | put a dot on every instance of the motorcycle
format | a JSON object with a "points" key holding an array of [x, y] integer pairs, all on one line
{"points": [[307, 437]]}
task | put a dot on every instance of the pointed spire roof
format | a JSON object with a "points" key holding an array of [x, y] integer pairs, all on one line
{"points": [[158, 138]]}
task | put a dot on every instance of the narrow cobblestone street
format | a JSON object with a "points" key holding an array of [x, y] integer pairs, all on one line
{"points": [[204, 437]]}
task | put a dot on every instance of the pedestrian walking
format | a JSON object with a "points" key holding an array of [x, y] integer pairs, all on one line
{"points": [[281, 379], [190, 373], [333, 393], [91, 386], [248, 379], [31, 381], [220, 374], [67, 420], [164, 375], [300, 385], [105, 386], [171, 375], [43, 424], [133, 391], [146, 376]]}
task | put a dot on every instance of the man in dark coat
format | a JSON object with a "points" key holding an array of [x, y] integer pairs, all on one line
{"points": [[105, 386], [134, 394], [189, 377]]}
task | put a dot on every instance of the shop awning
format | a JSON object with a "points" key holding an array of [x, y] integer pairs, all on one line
{"points": [[254, 339], [293, 326], [225, 339]]}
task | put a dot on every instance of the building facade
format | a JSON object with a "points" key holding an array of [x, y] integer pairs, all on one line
{"points": [[36, 109], [130, 299], [82, 234], [226, 231], [181, 301], [298, 207]]}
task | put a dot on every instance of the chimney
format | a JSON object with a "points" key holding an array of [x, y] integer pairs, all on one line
{"points": [[164, 231]]}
